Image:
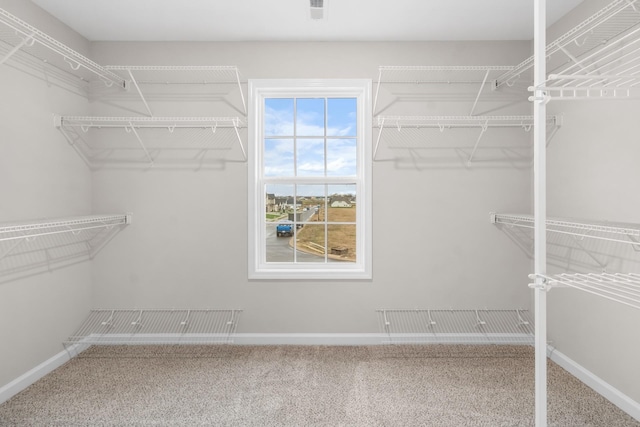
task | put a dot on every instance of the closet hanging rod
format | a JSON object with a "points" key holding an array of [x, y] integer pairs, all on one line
{"points": [[73, 58]]}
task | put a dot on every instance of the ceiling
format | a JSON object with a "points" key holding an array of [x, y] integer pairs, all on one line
{"points": [[290, 20]]}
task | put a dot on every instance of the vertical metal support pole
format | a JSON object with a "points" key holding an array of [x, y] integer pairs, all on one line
{"points": [[540, 211]]}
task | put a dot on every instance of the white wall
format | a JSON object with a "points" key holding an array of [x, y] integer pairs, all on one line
{"points": [[593, 174], [187, 247], [40, 177]]}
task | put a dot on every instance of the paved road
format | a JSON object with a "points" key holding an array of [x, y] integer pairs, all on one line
{"points": [[278, 249]]}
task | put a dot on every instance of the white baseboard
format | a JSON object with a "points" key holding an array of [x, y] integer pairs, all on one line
{"points": [[308, 339], [25, 380], [610, 393]]}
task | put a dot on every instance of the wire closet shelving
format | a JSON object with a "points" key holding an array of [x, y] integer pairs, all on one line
{"points": [[104, 141], [443, 123], [480, 75], [141, 76], [155, 327], [45, 244], [17, 35], [623, 288], [421, 326], [599, 58], [418, 127]]}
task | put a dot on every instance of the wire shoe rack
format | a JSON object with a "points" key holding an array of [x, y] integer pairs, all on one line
{"points": [[422, 326], [155, 327]]}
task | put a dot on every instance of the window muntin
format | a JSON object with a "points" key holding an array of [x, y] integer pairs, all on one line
{"points": [[311, 155]]}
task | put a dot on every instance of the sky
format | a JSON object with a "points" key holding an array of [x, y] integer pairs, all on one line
{"points": [[295, 142]]}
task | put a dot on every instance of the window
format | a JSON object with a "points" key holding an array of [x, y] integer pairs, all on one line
{"points": [[309, 179]]}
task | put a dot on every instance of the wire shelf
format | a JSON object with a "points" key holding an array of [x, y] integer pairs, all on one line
{"points": [[200, 75], [615, 232], [421, 326], [439, 74], [623, 288], [41, 246], [149, 141], [19, 35], [584, 40], [442, 123], [480, 75], [451, 122], [158, 327]]}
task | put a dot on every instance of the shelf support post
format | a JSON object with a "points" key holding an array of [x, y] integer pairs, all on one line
{"points": [[540, 211], [28, 41], [236, 123], [135, 84], [483, 129], [133, 129], [375, 150], [244, 103], [484, 81], [375, 99]]}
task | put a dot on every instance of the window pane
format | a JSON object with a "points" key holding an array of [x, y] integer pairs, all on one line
{"points": [[310, 117], [278, 117], [342, 117], [311, 241], [310, 159], [279, 229], [341, 157], [278, 157], [342, 242], [342, 204]]}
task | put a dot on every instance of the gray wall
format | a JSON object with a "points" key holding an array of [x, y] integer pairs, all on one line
{"points": [[40, 177], [433, 244]]}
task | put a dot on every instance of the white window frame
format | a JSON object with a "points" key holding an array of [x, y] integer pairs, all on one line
{"points": [[259, 90]]}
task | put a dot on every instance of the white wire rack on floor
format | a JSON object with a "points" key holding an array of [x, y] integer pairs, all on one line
{"points": [[421, 326], [47, 244], [18, 35], [156, 326]]}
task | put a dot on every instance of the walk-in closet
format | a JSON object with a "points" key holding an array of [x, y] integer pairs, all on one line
{"points": [[317, 212]]}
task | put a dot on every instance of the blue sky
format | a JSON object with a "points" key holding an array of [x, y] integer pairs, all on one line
{"points": [[308, 114]]}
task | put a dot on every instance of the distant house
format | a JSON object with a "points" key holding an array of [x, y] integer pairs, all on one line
{"points": [[340, 202], [271, 202]]}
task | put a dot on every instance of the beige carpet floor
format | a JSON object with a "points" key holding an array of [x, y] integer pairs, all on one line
{"points": [[263, 386]]}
